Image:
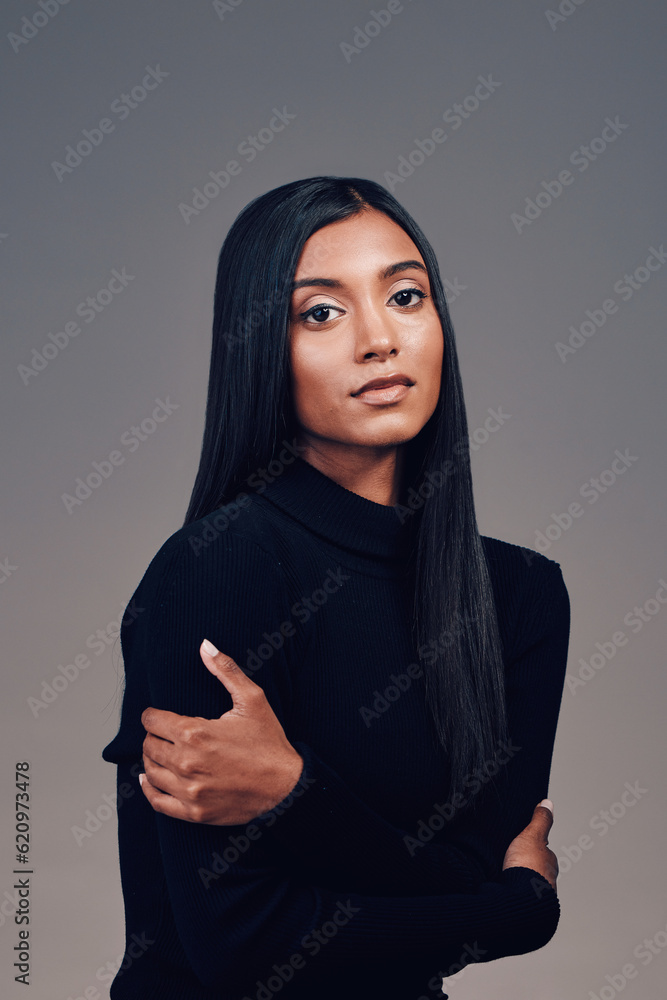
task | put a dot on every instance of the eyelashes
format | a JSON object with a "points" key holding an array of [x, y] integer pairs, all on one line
{"points": [[325, 307], [416, 291]]}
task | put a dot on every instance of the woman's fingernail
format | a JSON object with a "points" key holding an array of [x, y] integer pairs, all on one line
{"points": [[548, 803], [210, 648], [142, 778]]}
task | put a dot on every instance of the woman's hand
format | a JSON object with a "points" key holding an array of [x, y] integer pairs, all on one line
{"points": [[224, 771], [529, 848]]}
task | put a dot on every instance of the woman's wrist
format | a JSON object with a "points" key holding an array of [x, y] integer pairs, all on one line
{"points": [[289, 774]]}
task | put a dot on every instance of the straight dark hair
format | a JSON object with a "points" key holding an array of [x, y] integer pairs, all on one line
{"points": [[249, 414]]}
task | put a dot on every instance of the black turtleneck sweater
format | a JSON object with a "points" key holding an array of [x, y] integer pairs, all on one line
{"points": [[366, 881]]}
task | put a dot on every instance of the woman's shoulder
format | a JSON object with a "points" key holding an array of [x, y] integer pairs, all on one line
{"points": [[235, 539], [516, 561], [530, 593]]}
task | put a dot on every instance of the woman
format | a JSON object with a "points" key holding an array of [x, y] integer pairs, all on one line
{"points": [[349, 696]]}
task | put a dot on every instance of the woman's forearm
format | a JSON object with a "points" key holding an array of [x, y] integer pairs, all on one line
{"points": [[235, 927], [323, 823]]}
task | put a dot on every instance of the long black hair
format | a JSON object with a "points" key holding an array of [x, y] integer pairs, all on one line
{"points": [[249, 416]]}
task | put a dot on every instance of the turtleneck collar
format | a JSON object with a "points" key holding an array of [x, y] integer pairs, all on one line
{"points": [[337, 514]]}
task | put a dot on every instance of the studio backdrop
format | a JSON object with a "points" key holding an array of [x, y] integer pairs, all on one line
{"points": [[528, 142]]}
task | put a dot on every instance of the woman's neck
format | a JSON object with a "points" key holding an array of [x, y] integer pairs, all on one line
{"points": [[373, 473]]}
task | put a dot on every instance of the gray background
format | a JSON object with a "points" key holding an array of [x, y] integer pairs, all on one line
{"points": [[68, 574]]}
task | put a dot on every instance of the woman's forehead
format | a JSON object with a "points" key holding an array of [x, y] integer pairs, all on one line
{"points": [[367, 238]]}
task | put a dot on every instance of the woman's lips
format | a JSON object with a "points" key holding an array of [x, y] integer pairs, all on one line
{"points": [[386, 394]]}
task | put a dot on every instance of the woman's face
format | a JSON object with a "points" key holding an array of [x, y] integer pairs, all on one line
{"points": [[362, 310]]}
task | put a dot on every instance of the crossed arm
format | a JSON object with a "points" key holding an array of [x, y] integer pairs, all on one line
{"points": [[239, 768]]}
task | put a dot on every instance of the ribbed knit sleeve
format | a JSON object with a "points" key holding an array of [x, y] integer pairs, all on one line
{"points": [[535, 675], [328, 825], [239, 912], [316, 826], [316, 829]]}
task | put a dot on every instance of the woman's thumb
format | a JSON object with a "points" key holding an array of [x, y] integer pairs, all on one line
{"points": [[543, 816], [225, 669]]}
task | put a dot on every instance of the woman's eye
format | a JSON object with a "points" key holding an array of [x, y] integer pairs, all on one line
{"points": [[320, 314], [409, 292]]}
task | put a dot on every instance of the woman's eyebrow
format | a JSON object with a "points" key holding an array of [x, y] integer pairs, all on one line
{"points": [[383, 273]]}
